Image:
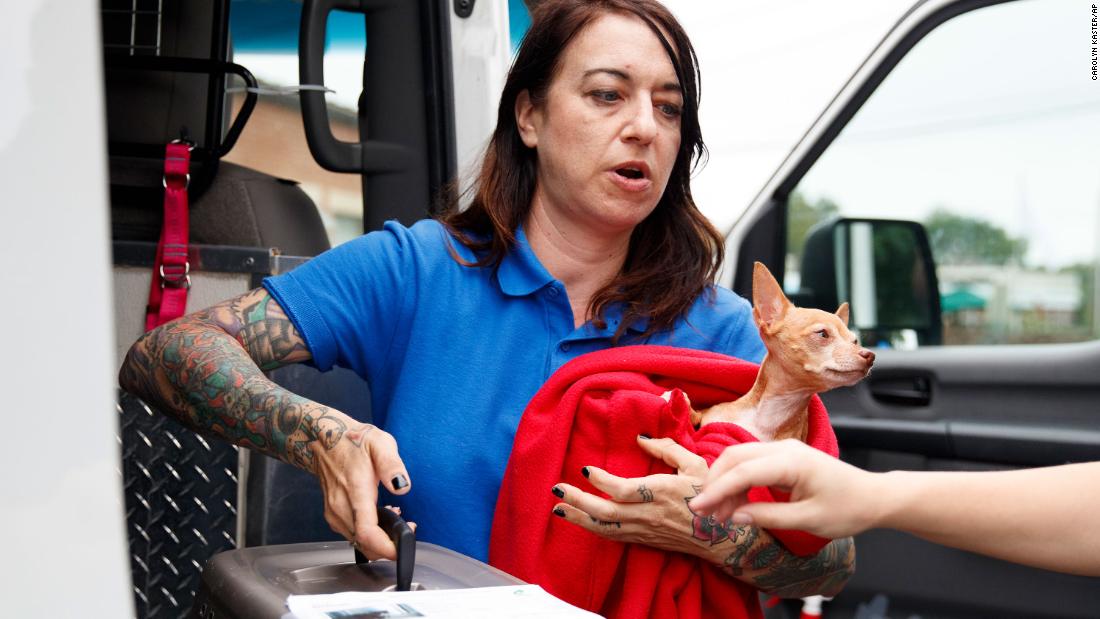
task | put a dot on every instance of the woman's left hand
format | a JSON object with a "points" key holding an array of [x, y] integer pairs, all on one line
{"points": [[651, 510]]}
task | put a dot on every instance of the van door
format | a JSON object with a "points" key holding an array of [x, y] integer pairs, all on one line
{"points": [[60, 527], [978, 119]]}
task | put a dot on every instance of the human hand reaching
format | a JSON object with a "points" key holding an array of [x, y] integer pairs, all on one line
{"points": [[828, 497]]}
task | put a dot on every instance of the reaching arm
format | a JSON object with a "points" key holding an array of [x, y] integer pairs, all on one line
{"points": [[206, 371], [1043, 517]]}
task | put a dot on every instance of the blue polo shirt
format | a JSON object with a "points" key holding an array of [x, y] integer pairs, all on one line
{"points": [[453, 354]]}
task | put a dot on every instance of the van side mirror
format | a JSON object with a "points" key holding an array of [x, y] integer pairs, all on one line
{"points": [[885, 271]]}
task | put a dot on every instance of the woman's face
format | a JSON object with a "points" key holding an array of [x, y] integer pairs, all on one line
{"points": [[608, 131]]}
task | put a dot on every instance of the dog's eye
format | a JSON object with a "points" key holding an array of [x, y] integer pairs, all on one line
{"points": [[824, 333]]}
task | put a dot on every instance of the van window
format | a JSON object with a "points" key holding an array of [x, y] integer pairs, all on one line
{"points": [[519, 21], [986, 133], [264, 39]]}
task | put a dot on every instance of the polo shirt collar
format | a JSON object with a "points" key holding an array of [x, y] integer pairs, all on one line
{"points": [[520, 271], [521, 274]]}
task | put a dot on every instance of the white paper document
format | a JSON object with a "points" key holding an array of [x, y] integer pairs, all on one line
{"points": [[517, 601]]}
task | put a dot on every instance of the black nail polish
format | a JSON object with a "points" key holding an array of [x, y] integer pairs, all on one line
{"points": [[558, 492], [584, 471], [559, 512], [644, 437], [399, 482]]}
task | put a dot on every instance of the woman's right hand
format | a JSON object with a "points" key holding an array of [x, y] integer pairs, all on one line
{"points": [[349, 473]]}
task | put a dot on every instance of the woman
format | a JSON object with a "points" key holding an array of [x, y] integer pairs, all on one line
{"points": [[581, 235]]}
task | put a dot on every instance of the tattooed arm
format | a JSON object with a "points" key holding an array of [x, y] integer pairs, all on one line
{"points": [[206, 371], [751, 554], [654, 511]]}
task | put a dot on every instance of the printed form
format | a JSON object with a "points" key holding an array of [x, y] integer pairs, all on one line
{"points": [[526, 601]]}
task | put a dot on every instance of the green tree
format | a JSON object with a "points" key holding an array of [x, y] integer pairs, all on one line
{"points": [[957, 239], [802, 215]]}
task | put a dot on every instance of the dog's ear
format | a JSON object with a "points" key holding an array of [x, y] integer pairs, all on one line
{"points": [[769, 302], [842, 313]]}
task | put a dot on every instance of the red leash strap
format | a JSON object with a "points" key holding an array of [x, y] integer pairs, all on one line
{"points": [[171, 270]]}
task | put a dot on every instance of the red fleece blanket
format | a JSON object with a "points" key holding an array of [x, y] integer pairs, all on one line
{"points": [[589, 413]]}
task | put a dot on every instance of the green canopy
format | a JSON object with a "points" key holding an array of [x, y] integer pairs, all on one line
{"points": [[961, 300]]}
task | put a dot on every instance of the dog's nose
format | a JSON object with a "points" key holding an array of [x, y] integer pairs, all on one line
{"points": [[868, 355]]}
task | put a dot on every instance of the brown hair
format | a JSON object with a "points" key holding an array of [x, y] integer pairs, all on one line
{"points": [[674, 253]]}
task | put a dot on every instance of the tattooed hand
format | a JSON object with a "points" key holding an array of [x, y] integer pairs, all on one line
{"points": [[654, 510], [205, 370], [349, 474], [650, 510]]}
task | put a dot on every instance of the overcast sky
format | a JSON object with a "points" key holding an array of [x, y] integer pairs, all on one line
{"points": [[994, 115], [768, 69]]}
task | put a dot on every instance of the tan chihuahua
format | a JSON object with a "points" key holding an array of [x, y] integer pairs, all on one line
{"points": [[809, 351]]}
